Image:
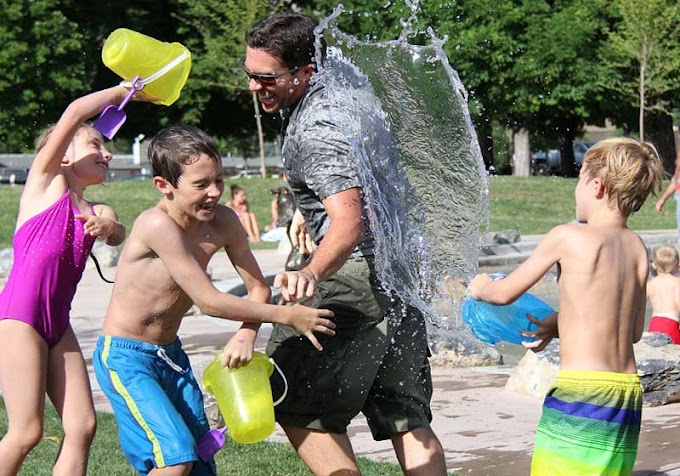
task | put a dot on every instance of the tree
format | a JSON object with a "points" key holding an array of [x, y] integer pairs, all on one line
{"points": [[42, 68], [646, 40], [215, 32]]}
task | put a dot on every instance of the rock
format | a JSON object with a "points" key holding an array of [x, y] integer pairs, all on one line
{"points": [[536, 372], [503, 237], [6, 260], [460, 349], [658, 366], [657, 360]]}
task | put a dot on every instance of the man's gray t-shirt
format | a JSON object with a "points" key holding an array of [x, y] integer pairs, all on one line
{"points": [[319, 162]]}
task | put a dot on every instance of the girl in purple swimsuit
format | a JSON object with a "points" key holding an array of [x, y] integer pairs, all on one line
{"points": [[56, 228]]}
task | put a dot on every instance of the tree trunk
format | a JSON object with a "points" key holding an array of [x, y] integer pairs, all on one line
{"points": [[642, 101], [485, 138], [521, 154], [660, 133], [260, 134]]}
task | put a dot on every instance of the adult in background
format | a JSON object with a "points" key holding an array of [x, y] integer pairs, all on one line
{"points": [[378, 361]]}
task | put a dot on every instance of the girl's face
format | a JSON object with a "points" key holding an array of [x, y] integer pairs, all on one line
{"points": [[240, 196], [89, 157]]}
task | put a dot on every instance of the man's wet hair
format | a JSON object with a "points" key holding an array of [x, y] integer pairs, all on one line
{"points": [[287, 36], [176, 146]]}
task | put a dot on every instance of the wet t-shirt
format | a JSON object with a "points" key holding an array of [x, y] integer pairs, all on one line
{"points": [[319, 162]]}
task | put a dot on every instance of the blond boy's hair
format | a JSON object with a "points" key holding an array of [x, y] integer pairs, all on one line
{"points": [[666, 259], [629, 169]]}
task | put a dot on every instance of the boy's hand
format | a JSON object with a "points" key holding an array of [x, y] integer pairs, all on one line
{"points": [[295, 285], [239, 350], [99, 227], [307, 320], [546, 331], [478, 284]]}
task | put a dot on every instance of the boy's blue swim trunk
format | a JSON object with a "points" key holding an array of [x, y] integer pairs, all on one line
{"points": [[156, 400]]}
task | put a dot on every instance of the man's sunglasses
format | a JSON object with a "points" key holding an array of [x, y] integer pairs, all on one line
{"points": [[268, 78]]}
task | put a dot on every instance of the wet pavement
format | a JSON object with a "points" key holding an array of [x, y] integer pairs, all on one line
{"points": [[485, 429]]}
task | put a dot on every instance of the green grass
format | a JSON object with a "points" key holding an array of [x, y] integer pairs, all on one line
{"points": [[107, 458], [531, 205], [534, 205]]}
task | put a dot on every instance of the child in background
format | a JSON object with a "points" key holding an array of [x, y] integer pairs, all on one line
{"points": [[591, 415], [139, 361], [672, 189], [664, 293], [239, 203], [55, 231]]}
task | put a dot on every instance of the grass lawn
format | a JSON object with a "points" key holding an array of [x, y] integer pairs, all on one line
{"points": [[106, 457], [531, 205]]}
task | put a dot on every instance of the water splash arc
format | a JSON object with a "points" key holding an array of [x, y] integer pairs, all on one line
{"points": [[404, 110]]}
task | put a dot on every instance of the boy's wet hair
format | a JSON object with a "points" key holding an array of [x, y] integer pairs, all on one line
{"points": [[629, 169], [176, 146], [666, 258], [287, 36], [47, 132]]}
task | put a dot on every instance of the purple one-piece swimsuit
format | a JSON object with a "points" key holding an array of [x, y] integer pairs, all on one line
{"points": [[50, 251]]}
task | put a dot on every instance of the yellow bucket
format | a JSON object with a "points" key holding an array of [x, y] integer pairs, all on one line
{"points": [[163, 67], [244, 397]]}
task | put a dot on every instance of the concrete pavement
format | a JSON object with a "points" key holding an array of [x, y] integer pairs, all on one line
{"points": [[485, 429]]}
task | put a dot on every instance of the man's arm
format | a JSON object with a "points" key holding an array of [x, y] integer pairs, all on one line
{"points": [[345, 232]]}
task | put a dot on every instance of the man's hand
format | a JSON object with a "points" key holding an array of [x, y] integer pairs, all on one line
{"points": [[295, 285], [546, 331], [659, 204], [299, 235]]}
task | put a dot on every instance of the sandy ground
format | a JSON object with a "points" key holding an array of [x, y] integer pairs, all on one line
{"points": [[485, 429]]}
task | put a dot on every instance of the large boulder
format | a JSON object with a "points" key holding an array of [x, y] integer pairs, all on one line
{"points": [[658, 363], [6, 260]]}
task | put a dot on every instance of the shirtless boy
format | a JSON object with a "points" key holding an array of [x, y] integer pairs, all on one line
{"points": [[664, 293], [591, 415], [139, 361]]}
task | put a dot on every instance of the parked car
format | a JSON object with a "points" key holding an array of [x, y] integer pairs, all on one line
{"points": [[13, 176], [549, 162]]}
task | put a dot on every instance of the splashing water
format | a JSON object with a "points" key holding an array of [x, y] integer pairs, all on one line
{"points": [[404, 110]]}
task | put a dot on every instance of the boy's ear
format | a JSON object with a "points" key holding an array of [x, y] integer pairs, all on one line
{"points": [[162, 185], [598, 187]]}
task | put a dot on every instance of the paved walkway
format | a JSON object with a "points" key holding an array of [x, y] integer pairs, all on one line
{"points": [[485, 429]]}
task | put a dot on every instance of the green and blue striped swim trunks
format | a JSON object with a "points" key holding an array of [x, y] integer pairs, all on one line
{"points": [[590, 425]]}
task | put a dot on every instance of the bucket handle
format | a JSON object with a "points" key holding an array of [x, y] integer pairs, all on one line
{"points": [[285, 382], [162, 71]]}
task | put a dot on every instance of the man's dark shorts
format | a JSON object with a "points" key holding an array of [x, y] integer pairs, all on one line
{"points": [[377, 363]]}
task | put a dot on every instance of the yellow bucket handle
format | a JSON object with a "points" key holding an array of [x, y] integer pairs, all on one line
{"points": [[169, 66], [285, 382]]}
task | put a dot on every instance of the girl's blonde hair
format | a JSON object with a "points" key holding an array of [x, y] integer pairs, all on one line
{"points": [[45, 134], [629, 169], [666, 258]]}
